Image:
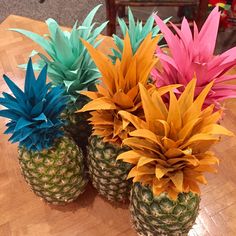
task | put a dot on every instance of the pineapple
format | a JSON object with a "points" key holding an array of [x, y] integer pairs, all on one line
{"points": [[191, 53], [170, 153], [157, 215], [137, 33], [70, 66], [118, 91], [51, 162], [108, 175]]}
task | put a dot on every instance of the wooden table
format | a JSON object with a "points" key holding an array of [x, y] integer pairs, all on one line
{"points": [[24, 214]]}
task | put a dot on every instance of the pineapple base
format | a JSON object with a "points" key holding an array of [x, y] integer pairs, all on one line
{"points": [[108, 176], [56, 175], [161, 216]]}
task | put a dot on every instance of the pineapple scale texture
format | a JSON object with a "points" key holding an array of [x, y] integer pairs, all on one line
{"points": [[108, 175], [77, 123], [57, 175], [160, 215]]}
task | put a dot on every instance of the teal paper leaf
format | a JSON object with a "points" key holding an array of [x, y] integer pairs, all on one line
{"points": [[137, 33], [67, 57]]}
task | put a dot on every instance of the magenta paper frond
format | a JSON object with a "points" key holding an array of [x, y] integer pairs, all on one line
{"points": [[193, 54]]}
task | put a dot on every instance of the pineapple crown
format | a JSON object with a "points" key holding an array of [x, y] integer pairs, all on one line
{"points": [[69, 64], [119, 88], [35, 112], [170, 146], [193, 53], [136, 31]]}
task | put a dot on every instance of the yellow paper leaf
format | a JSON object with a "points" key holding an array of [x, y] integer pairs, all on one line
{"points": [[151, 111], [186, 98], [192, 186], [91, 95], [160, 183], [145, 160], [165, 89], [99, 104], [201, 179], [174, 115], [186, 130], [122, 100], [131, 75], [160, 172], [205, 168], [168, 143], [172, 194], [144, 74], [166, 128], [197, 138], [177, 180], [104, 65], [160, 104], [133, 154], [216, 129], [133, 172], [173, 152], [195, 109], [103, 91], [133, 93], [187, 159], [157, 191], [136, 121], [117, 127], [144, 170], [129, 156], [147, 134], [141, 144], [127, 54]]}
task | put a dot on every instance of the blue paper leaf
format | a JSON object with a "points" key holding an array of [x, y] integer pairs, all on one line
{"points": [[21, 123], [34, 113], [18, 93], [41, 117], [41, 81], [10, 129], [9, 114], [37, 109]]}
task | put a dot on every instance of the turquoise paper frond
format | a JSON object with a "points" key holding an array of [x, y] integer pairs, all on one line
{"points": [[69, 65], [137, 33], [35, 112]]}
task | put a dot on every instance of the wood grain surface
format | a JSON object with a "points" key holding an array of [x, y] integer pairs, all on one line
{"points": [[24, 214]]}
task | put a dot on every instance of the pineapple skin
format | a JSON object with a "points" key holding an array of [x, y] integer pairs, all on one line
{"points": [[160, 215], [77, 123], [108, 175], [56, 175], [79, 128]]}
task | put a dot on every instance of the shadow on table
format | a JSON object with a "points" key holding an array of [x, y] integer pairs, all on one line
{"points": [[83, 201]]}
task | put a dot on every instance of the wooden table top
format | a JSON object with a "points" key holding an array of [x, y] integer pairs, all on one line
{"points": [[24, 214]]}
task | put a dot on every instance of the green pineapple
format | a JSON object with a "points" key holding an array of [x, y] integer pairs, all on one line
{"points": [[70, 66], [108, 175], [57, 174], [160, 215], [51, 162]]}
